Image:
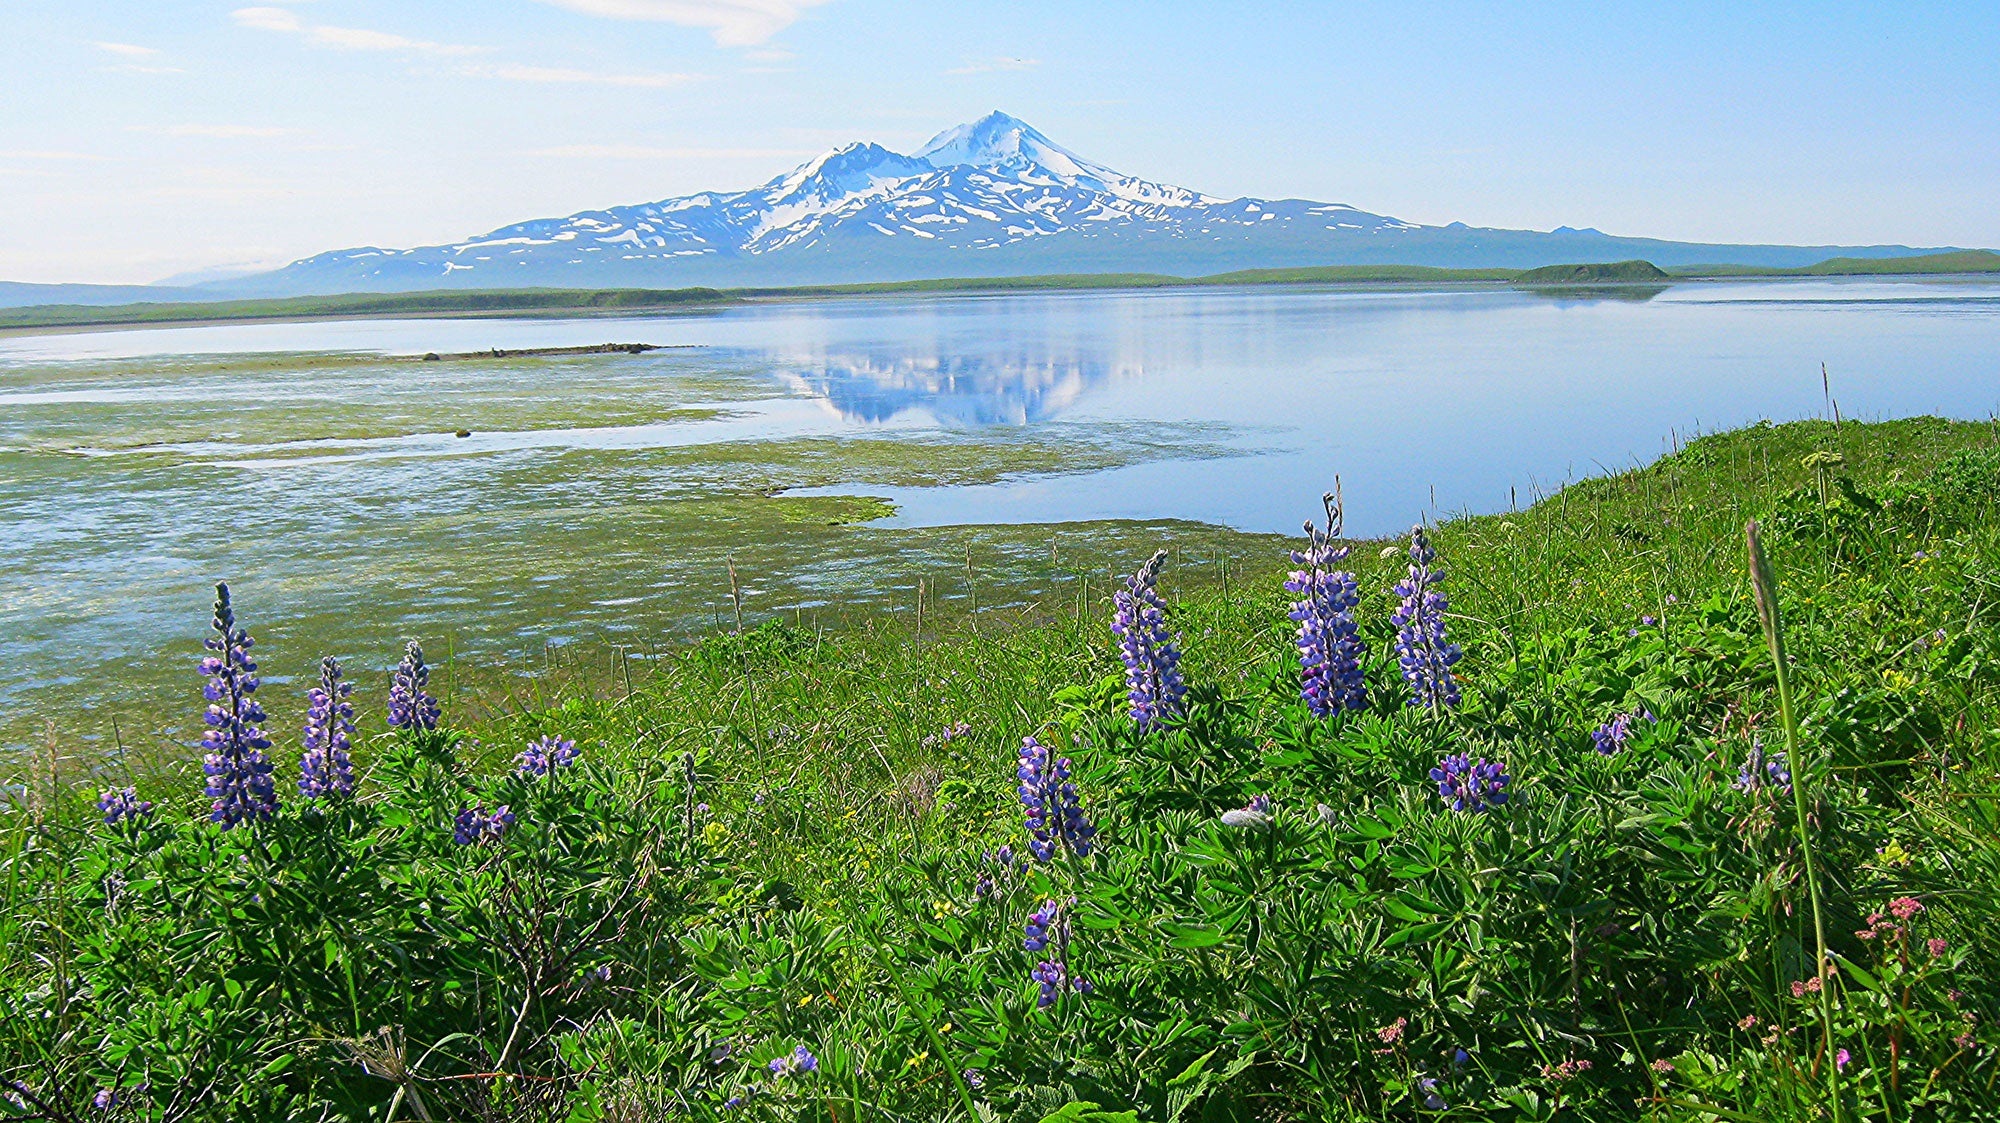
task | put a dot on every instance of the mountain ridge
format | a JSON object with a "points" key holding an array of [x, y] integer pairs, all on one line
{"points": [[989, 198]]}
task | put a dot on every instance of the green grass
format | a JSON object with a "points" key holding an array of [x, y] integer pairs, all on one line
{"points": [[486, 302], [1619, 910]]}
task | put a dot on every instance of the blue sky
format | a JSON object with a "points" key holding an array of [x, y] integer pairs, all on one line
{"points": [[141, 139]]}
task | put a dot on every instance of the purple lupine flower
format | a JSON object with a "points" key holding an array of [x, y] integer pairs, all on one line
{"points": [[410, 707], [324, 769], [545, 756], [1036, 932], [239, 775], [1056, 977], [1152, 659], [1054, 814], [1760, 770], [1423, 649], [801, 1061], [1432, 1101], [123, 805], [104, 1100], [475, 824], [1330, 647], [1471, 785], [1609, 739]]}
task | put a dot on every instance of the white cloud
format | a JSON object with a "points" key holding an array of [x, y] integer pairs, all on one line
{"points": [[129, 50], [988, 66], [343, 38], [267, 19], [516, 73], [641, 152], [734, 23]]}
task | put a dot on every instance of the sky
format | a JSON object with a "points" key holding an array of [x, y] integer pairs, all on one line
{"points": [[141, 139]]}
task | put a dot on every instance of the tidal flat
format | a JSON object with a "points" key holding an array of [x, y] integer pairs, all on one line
{"points": [[598, 498]]}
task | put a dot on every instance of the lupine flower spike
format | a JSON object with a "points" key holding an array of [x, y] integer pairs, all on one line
{"points": [[800, 1062], [324, 769], [239, 775], [1048, 927], [410, 707], [123, 805], [1422, 647], [1760, 770], [1055, 817], [1609, 739], [1471, 785], [1257, 815], [475, 824], [545, 756], [1330, 648], [1152, 659]]}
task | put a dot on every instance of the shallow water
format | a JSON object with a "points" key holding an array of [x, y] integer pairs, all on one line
{"points": [[601, 495]]}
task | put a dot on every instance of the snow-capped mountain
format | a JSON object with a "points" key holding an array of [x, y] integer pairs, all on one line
{"points": [[991, 198]]}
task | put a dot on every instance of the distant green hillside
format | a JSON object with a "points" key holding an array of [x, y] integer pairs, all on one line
{"points": [[1960, 261], [356, 304], [1592, 273], [511, 301]]}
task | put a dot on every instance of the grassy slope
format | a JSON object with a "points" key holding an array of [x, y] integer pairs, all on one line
{"points": [[843, 829], [559, 301]]}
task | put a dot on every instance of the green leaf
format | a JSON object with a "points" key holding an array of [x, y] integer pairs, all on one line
{"points": [[1089, 1113], [1192, 935], [1415, 932]]}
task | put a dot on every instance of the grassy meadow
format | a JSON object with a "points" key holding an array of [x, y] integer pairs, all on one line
{"points": [[787, 875]]}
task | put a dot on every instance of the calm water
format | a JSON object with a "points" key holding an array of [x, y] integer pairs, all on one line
{"points": [[135, 474]]}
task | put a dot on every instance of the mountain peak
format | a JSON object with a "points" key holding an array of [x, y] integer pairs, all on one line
{"points": [[1001, 141]]}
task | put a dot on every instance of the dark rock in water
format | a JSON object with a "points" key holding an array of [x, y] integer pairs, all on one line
{"points": [[465, 432], [431, 357]]}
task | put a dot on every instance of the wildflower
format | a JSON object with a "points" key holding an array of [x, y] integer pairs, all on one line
{"points": [[123, 805], [1054, 977], [1471, 785], [325, 770], [1761, 770], [1393, 1032], [948, 734], [973, 1079], [1327, 816], [1937, 946], [239, 775], [1566, 1071], [1152, 659], [800, 1061], [1903, 908], [1749, 1022], [1256, 816], [1054, 815], [1663, 1066], [1609, 739], [1432, 1101], [544, 756], [1963, 1040], [732, 1103], [1802, 988], [104, 1100], [1841, 1058], [409, 706], [1460, 1058], [1423, 649], [474, 824], [1330, 647], [1039, 925]]}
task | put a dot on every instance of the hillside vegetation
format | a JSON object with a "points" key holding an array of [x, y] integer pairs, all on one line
{"points": [[496, 302], [789, 875]]}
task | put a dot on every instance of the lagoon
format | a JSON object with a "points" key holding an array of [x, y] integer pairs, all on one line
{"points": [[601, 497]]}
